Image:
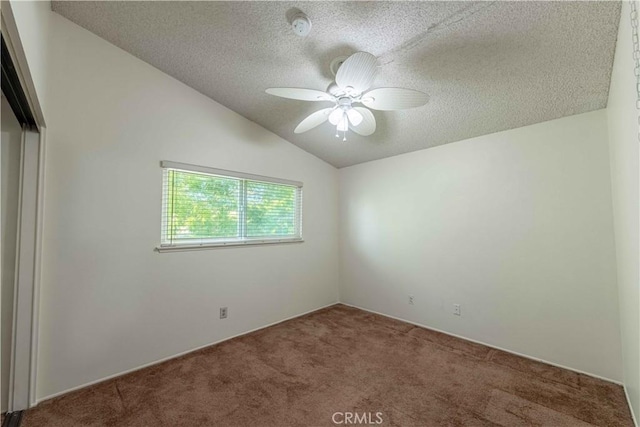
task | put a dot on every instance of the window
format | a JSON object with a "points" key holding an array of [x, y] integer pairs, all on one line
{"points": [[204, 207]]}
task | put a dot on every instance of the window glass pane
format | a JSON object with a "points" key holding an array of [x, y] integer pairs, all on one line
{"points": [[271, 209], [202, 206]]}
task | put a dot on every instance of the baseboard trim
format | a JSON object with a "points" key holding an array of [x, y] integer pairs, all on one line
{"points": [[633, 416], [147, 365], [110, 377], [526, 356]]}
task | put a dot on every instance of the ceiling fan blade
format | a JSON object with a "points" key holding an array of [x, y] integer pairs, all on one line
{"points": [[313, 120], [300, 94], [368, 124], [357, 72], [394, 98]]}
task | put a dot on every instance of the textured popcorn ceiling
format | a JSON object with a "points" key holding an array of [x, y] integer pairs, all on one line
{"points": [[487, 66]]}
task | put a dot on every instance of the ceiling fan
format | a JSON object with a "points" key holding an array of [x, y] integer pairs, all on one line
{"points": [[353, 79]]}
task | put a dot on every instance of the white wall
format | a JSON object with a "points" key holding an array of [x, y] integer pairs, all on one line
{"points": [[516, 227], [623, 146], [109, 303], [10, 180], [533, 269]]}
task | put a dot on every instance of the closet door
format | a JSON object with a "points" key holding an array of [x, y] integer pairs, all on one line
{"points": [[10, 164]]}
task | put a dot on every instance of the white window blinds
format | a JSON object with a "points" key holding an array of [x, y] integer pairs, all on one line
{"points": [[212, 207]]}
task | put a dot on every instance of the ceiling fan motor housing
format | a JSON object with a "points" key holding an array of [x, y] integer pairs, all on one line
{"points": [[345, 102]]}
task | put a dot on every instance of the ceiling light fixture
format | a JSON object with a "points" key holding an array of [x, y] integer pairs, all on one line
{"points": [[354, 77], [343, 115]]}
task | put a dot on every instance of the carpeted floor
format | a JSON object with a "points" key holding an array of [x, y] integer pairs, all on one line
{"points": [[342, 360]]}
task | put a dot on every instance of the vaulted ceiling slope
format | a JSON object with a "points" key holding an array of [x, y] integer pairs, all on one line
{"points": [[487, 66]]}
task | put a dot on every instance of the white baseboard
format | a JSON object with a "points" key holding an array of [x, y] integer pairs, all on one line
{"points": [[633, 416], [317, 309], [164, 359], [526, 356]]}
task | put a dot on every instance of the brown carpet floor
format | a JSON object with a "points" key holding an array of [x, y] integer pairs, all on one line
{"points": [[341, 359]]}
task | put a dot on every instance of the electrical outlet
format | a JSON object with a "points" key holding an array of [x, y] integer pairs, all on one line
{"points": [[411, 299], [223, 312], [456, 309]]}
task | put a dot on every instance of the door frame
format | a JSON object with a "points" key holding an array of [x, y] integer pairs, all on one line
{"points": [[30, 229]]}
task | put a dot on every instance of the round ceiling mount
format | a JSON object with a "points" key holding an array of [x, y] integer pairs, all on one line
{"points": [[336, 63], [301, 25]]}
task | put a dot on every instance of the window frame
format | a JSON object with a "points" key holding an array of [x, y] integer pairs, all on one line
{"points": [[233, 241]]}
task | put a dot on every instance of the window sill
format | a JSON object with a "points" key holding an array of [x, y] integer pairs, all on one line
{"points": [[180, 248]]}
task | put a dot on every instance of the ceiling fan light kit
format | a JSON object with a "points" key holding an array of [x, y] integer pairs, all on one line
{"points": [[354, 77]]}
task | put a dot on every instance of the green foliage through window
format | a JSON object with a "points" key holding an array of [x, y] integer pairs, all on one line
{"points": [[199, 207], [270, 209]]}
